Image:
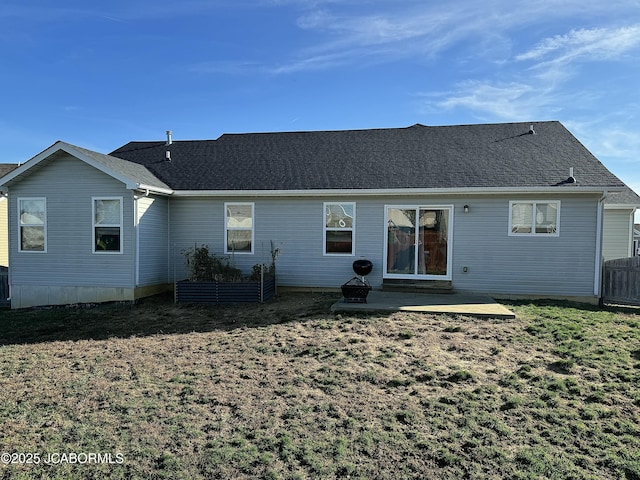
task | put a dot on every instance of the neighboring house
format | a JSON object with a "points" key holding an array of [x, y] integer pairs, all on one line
{"points": [[507, 209], [618, 224], [636, 239], [4, 226]]}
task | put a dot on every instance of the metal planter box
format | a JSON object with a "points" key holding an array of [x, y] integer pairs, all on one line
{"points": [[225, 292]]}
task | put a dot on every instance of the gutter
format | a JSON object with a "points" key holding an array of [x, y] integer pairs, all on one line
{"points": [[348, 192], [150, 189]]}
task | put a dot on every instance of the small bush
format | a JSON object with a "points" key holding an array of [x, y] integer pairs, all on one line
{"points": [[262, 268], [204, 266]]}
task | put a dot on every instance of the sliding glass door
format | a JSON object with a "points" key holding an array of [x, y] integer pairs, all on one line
{"points": [[418, 242]]}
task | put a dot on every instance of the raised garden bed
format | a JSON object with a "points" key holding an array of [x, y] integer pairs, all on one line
{"points": [[225, 292], [214, 280]]}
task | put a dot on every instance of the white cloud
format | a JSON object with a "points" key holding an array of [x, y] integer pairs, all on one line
{"points": [[501, 101], [616, 142], [622, 144], [590, 44], [410, 28]]}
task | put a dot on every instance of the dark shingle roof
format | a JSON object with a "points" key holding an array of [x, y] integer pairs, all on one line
{"points": [[6, 168], [130, 170], [626, 197], [484, 155]]}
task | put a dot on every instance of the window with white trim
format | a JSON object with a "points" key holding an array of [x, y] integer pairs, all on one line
{"points": [[107, 225], [534, 218], [238, 232], [339, 228], [32, 219]]}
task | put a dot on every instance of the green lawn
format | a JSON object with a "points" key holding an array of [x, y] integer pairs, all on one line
{"points": [[287, 390]]}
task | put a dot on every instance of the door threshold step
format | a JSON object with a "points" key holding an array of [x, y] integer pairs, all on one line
{"points": [[417, 286]]}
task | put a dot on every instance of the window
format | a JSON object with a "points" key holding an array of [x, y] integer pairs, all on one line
{"points": [[339, 225], [239, 228], [534, 218], [107, 225], [32, 215]]}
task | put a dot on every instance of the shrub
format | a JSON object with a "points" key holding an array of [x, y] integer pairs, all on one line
{"points": [[204, 266], [269, 271]]}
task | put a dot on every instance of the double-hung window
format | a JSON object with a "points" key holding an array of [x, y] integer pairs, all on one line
{"points": [[238, 232], [32, 218], [107, 225], [529, 218], [339, 228]]}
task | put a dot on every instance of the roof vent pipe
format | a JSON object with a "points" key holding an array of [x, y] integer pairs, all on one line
{"points": [[169, 141], [167, 156], [531, 130]]}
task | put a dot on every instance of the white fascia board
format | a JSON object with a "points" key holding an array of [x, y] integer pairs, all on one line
{"points": [[151, 189], [621, 206], [395, 192]]}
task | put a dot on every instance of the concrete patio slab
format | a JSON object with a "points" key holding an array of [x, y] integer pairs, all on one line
{"points": [[451, 303]]}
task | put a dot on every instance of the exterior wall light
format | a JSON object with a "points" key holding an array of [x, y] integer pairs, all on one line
{"points": [[466, 209]]}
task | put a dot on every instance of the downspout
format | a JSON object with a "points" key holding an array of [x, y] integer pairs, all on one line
{"points": [[170, 260], [632, 215], [597, 282], [5, 194], [136, 226]]}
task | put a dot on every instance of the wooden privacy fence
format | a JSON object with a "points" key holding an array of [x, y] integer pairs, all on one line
{"points": [[621, 281], [4, 287]]}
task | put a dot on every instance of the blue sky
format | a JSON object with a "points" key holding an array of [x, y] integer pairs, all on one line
{"points": [[98, 74]]}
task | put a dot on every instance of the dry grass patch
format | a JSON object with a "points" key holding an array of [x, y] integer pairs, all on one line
{"points": [[287, 390]]}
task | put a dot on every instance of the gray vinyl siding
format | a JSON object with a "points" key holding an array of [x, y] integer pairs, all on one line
{"points": [[617, 234], [4, 233], [496, 262], [68, 185], [153, 240], [193, 221], [502, 264], [295, 226]]}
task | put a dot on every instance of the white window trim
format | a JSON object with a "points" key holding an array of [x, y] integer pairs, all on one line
{"points": [[533, 232], [325, 229], [20, 225], [227, 228], [93, 226]]}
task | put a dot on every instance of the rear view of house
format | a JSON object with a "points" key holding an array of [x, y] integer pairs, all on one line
{"points": [[515, 209]]}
